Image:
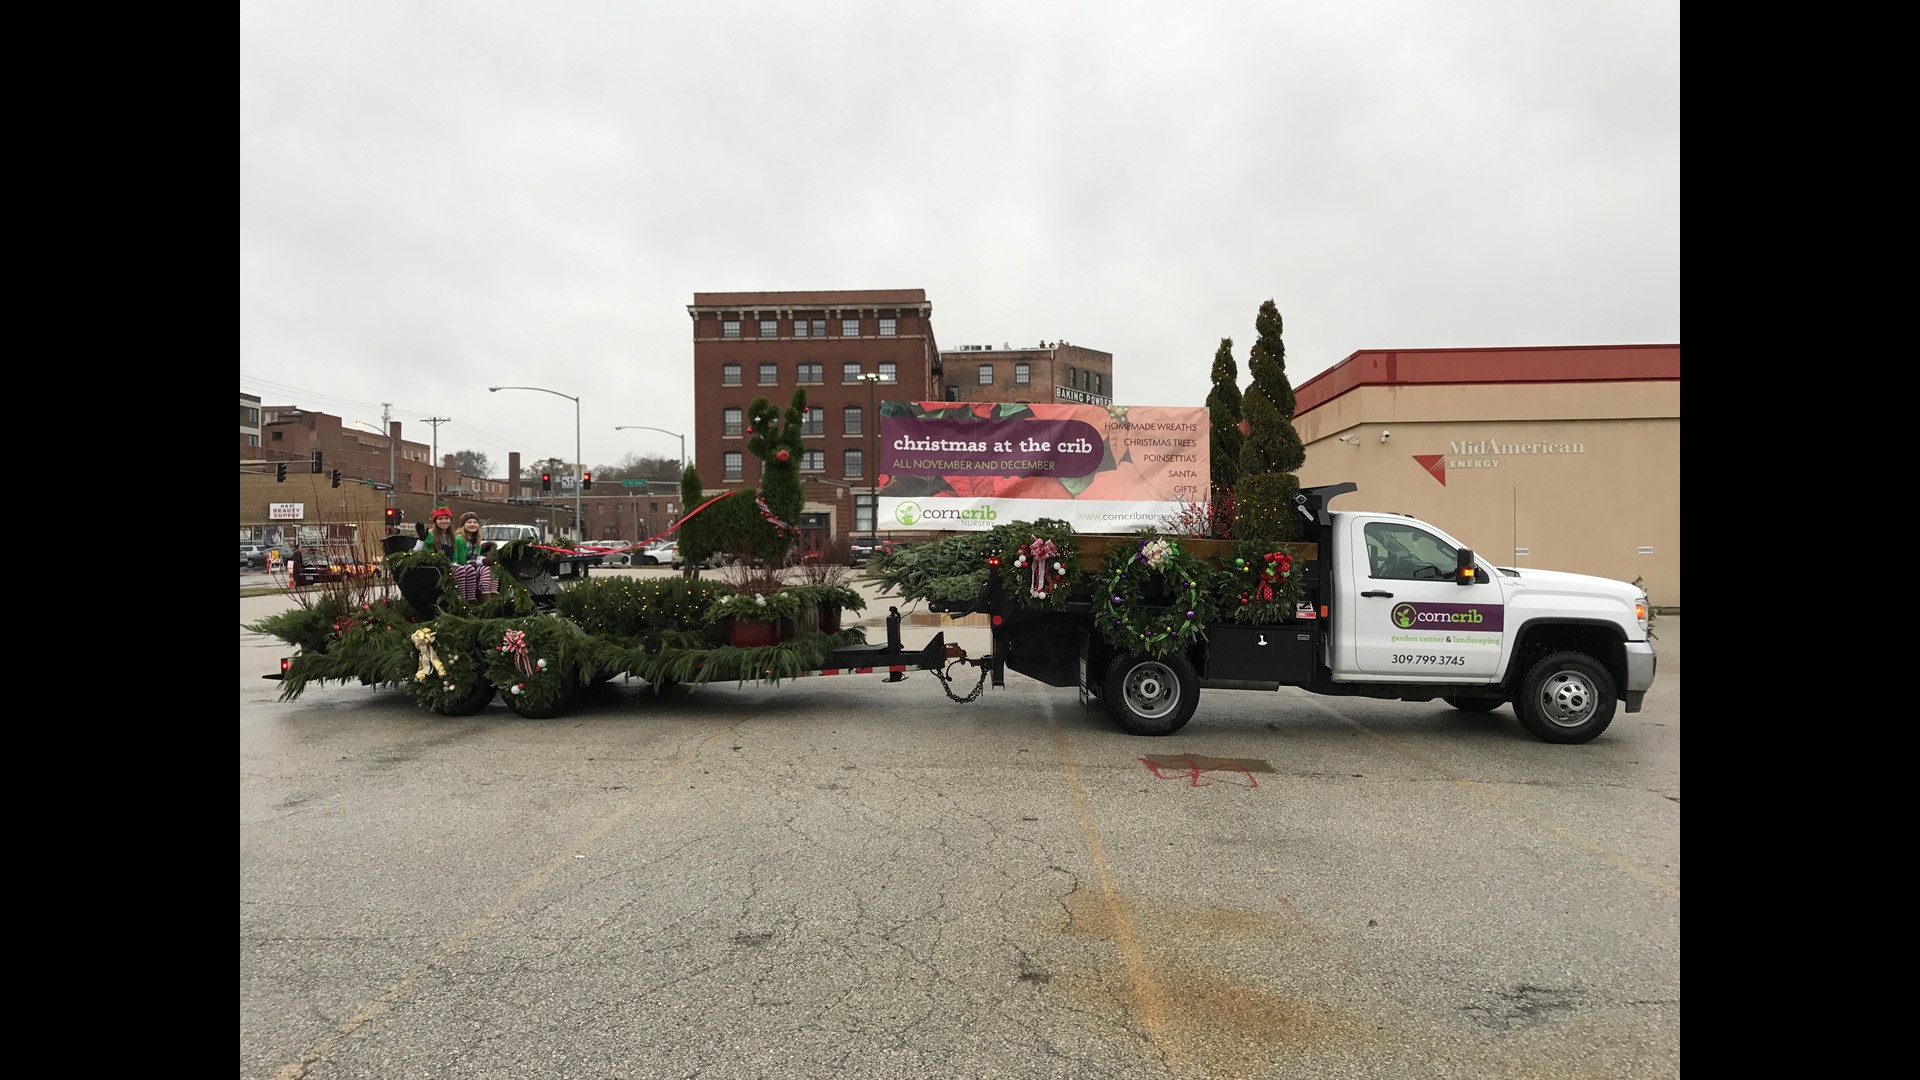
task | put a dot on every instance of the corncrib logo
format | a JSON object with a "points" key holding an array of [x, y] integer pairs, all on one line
{"points": [[909, 512]]}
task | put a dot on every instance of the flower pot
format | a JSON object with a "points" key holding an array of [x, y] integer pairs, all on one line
{"points": [[752, 633], [829, 616]]}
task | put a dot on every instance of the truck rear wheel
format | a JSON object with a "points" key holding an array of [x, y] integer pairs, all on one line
{"points": [[1567, 697], [1148, 696]]}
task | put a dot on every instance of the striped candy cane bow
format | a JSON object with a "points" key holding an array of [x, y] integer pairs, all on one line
{"points": [[1040, 555], [516, 643]]}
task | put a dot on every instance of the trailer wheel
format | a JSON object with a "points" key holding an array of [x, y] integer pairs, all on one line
{"points": [[1567, 697], [1475, 704], [478, 696], [1148, 696]]}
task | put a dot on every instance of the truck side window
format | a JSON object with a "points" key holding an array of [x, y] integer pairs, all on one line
{"points": [[1408, 553]]}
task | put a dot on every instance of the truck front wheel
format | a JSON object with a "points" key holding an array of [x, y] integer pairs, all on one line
{"points": [[1148, 696], [1567, 697]]}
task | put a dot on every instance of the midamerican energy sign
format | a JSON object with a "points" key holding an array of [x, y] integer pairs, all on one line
{"points": [[1114, 468], [1486, 454]]}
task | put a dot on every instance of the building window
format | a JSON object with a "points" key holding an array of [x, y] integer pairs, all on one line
{"points": [[814, 422], [730, 420], [986, 374], [799, 328], [885, 370], [769, 328], [850, 420], [1022, 373], [250, 417], [732, 460], [889, 327], [953, 392], [850, 371], [819, 328], [863, 514], [253, 440], [276, 436], [811, 374], [1097, 380], [769, 374], [813, 461], [849, 327], [730, 328], [729, 374], [851, 468]]}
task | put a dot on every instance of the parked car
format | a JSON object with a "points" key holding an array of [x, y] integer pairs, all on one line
{"points": [[863, 548], [253, 555], [616, 552], [665, 552]]}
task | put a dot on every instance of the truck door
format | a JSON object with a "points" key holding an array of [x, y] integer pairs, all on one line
{"points": [[1408, 619]]}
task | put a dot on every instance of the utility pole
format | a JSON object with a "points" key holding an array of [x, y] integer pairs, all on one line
{"points": [[436, 421], [386, 421]]}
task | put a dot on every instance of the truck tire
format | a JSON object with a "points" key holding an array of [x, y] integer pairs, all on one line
{"points": [[1475, 704], [1566, 697], [1148, 696]]}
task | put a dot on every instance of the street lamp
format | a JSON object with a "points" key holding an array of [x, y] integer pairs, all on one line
{"points": [[683, 461], [663, 431], [872, 378], [579, 532]]}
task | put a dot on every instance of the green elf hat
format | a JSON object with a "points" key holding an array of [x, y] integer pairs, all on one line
{"points": [[441, 512]]}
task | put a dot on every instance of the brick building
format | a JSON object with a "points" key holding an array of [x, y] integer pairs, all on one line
{"points": [[850, 349], [1052, 371]]}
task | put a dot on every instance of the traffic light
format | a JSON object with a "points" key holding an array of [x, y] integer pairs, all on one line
{"points": [[586, 481], [316, 461], [280, 473], [336, 478], [546, 481], [393, 518]]}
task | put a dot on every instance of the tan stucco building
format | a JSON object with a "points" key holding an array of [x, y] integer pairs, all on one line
{"points": [[1561, 458]]}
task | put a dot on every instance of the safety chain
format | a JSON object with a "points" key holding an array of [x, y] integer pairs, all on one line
{"points": [[946, 682]]}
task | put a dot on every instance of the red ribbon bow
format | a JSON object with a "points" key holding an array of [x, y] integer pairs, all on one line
{"points": [[1040, 555], [516, 643], [1279, 563]]}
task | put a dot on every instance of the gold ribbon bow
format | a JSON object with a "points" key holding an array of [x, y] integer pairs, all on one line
{"points": [[429, 659]]}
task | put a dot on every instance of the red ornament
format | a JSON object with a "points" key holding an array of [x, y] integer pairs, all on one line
{"points": [[781, 454]]}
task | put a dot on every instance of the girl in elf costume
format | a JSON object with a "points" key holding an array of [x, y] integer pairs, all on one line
{"points": [[466, 542], [442, 538]]}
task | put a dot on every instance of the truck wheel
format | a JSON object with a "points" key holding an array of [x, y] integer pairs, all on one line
{"points": [[1567, 697], [1146, 696], [1475, 704]]}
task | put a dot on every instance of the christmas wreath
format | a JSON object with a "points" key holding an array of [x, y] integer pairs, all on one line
{"points": [[1154, 600], [1041, 559], [449, 662], [530, 659], [1260, 584]]}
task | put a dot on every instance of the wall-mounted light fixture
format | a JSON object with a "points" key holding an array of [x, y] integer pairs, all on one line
{"points": [[1351, 440]]}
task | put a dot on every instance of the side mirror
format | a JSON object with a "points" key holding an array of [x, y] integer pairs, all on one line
{"points": [[1468, 571]]}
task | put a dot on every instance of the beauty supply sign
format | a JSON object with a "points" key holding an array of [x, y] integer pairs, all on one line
{"points": [[948, 466]]}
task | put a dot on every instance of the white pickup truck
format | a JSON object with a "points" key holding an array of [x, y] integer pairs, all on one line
{"points": [[1394, 608]]}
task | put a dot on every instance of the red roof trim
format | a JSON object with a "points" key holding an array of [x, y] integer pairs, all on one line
{"points": [[1523, 364]]}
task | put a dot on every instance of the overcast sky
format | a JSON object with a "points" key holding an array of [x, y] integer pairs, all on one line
{"points": [[439, 197]]}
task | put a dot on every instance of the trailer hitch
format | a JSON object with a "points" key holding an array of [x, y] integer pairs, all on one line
{"points": [[946, 680]]}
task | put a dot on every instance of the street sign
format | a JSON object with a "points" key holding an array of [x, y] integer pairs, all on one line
{"points": [[633, 483]]}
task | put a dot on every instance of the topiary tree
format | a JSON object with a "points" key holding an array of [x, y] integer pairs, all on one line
{"points": [[696, 543], [1223, 416], [780, 450], [1273, 450]]}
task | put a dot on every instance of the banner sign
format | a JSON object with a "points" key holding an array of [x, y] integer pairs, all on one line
{"points": [[286, 511], [950, 466]]}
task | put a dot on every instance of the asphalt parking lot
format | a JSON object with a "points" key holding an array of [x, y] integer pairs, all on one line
{"points": [[843, 877]]}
